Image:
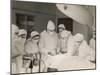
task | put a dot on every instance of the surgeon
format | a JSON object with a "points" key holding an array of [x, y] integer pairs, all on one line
{"points": [[77, 46], [48, 44], [32, 49], [49, 40], [65, 35]]}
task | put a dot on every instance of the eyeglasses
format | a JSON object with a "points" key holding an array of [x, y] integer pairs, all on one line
{"points": [[60, 28], [16, 33], [23, 36], [51, 30], [36, 37]]}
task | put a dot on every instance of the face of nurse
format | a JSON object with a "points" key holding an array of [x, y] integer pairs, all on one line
{"points": [[50, 31], [35, 38], [60, 29], [78, 43]]}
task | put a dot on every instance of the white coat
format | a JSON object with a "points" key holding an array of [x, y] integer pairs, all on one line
{"points": [[31, 47], [48, 42], [63, 44]]}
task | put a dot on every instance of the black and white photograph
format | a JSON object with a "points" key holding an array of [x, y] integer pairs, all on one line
{"points": [[52, 37]]}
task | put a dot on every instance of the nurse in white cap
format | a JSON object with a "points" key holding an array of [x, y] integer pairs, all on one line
{"points": [[61, 27], [31, 46], [32, 49], [49, 40]]}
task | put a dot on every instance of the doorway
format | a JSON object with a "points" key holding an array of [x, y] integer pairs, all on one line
{"points": [[68, 22]]}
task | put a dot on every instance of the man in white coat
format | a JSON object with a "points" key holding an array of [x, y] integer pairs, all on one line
{"points": [[49, 40], [48, 44]]}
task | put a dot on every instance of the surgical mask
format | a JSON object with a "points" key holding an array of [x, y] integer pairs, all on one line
{"points": [[35, 41], [50, 32], [78, 43]]}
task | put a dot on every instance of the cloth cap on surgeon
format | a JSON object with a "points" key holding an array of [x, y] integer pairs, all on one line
{"points": [[65, 33], [50, 25], [61, 26], [22, 32], [78, 37], [34, 33]]}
